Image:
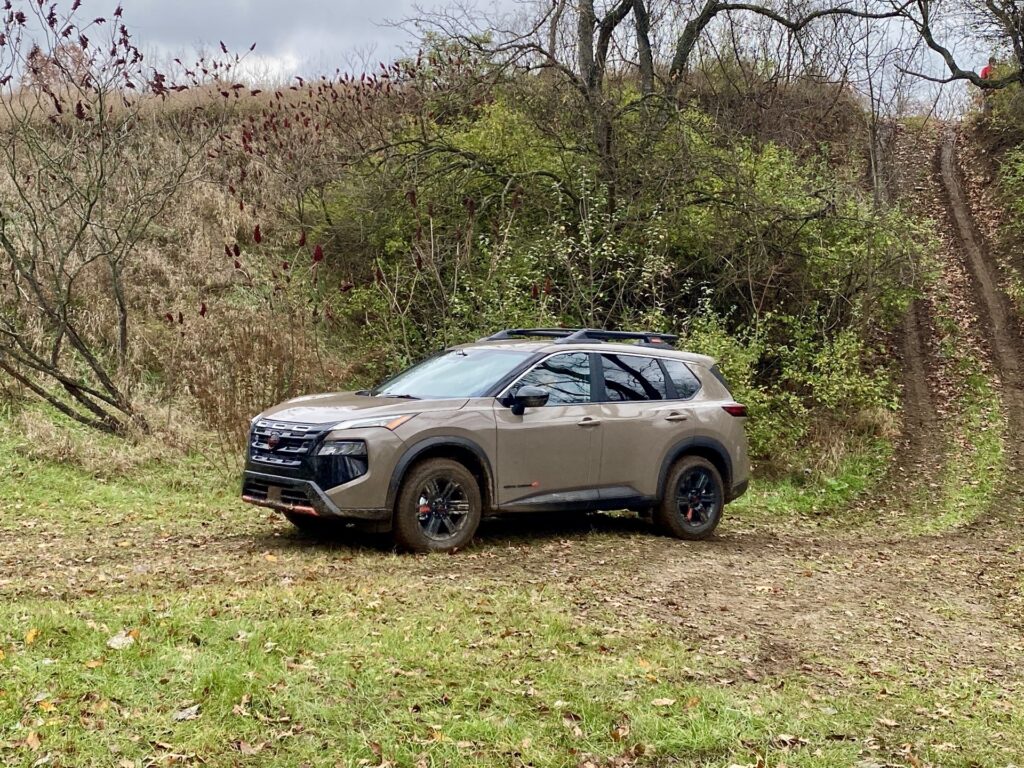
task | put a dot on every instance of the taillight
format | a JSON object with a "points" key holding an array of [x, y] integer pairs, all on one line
{"points": [[735, 409]]}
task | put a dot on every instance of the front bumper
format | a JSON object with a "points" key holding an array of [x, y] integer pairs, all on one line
{"points": [[285, 471], [301, 496]]}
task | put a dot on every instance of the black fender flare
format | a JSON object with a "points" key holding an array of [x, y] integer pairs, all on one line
{"points": [[413, 452], [688, 445]]}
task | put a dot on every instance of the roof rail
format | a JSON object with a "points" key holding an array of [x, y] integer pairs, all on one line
{"points": [[572, 335]]}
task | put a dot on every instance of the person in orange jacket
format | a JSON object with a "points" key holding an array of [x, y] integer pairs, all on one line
{"points": [[988, 71]]}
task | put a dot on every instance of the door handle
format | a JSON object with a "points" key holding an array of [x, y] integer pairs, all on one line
{"points": [[676, 416], [588, 421]]}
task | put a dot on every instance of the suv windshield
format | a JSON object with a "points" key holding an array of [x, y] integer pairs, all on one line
{"points": [[456, 373]]}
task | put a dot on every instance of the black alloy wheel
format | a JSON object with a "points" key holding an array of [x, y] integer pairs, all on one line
{"points": [[692, 503], [438, 508]]}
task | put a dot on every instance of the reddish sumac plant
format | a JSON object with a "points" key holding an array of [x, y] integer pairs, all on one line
{"points": [[91, 168]]}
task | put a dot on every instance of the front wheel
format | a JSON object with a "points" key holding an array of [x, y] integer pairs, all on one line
{"points": [[691, 505], [438, 508]]}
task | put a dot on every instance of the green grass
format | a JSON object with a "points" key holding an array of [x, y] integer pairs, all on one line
{"points": [[976, 440], [330, 655], [81, 491], [818, 495], [974, 432], [461, 675]]}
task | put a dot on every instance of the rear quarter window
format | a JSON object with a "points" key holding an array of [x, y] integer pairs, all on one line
{"points": [[717, 373], [684, 380]]}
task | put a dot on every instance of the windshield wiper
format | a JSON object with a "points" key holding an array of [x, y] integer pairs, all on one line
{"points": [[398, 396]]}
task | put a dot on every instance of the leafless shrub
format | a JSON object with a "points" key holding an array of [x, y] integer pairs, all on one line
{"points": [[87, 177], [230, 362]]}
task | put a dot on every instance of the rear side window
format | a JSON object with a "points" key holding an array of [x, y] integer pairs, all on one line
{"points": [[631, 377], [685, 382], [566, 378]]}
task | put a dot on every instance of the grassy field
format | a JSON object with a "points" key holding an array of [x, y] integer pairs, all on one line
{"points": [[156, 621]]}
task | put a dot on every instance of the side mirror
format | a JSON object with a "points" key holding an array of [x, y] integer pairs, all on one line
{"points": [[528, 397]]}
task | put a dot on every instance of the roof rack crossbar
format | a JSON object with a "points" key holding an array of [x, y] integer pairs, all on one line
{"points": [[571, 335], [512, 333]]}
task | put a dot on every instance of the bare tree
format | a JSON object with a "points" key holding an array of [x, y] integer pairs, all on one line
{"points": [[585, 44], [941, 26], [88, 168]]}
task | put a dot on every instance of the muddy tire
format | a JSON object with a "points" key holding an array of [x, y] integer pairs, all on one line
{"points": [[692, 503], [311, 525], [438, 507]]}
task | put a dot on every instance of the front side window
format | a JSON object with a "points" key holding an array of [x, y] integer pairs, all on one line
{"points": [[565, 377], [631, 378], [456, 373]]}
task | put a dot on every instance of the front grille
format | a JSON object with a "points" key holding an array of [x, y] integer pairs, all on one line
{"points": [[294, 455], [293, 442]]}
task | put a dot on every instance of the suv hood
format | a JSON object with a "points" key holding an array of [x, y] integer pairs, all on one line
{"points": [[338, 406]]}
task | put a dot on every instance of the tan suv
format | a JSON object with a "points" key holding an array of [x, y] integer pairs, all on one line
{"points": [[527, 420]]}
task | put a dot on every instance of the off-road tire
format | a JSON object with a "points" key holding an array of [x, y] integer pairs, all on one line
{"points": [[670, 514], [412, 525]]}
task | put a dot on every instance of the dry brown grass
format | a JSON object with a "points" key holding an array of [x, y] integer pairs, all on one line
{"points": [[41, 438]]}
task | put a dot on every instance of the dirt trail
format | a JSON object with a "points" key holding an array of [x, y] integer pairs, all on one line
{"points": [[920, 454], [994, 309]]}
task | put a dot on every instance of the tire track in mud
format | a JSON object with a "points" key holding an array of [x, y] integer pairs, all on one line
{"points": [[921, 453], [920, 450], [994, 310]]}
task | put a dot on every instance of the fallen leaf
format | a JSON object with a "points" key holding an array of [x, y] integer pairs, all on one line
{"points": [[620, 732], [270, 558], [888, 723], [249, 749], [188, 713], [570, 720], [94, 664], [31, 636], [241, 709], [32, 741], [788, 740], [663, 702], [122, 640]]}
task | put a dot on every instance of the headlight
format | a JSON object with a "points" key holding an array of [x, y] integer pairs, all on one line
{"points": [[342, 448], [392, 421]]}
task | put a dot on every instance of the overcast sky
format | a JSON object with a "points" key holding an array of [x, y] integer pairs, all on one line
{"points": [[290, 35]]}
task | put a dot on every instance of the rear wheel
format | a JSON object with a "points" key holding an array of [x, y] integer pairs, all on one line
{"points": [[692, 503], [438, 508]]}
